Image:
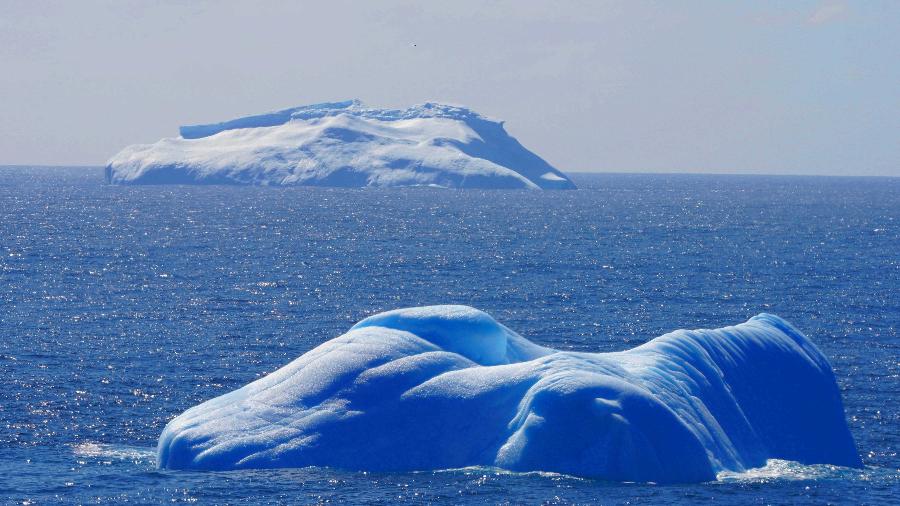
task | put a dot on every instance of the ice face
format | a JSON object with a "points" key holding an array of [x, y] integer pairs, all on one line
{"points": [[447, 387], [342, 144]]}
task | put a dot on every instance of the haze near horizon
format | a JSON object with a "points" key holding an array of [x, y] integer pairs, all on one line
{"points": [[807, 88]]}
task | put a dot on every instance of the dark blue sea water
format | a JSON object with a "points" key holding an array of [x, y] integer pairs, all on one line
{"points": [[122, 306]]}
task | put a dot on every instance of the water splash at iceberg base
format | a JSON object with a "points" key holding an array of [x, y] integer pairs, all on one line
{"points": [[448, 387]]}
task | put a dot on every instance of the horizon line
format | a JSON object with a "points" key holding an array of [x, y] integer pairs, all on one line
{"points": [[595, 172]]}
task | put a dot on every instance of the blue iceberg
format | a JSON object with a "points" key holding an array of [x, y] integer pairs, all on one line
{"points": [[448, 387], [342, 144]]}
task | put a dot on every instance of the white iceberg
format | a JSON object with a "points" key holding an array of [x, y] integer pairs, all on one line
{"points": [[342, 144], [448, 387]]}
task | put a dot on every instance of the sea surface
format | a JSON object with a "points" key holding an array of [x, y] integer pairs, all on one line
{"points": [[120, 307]]}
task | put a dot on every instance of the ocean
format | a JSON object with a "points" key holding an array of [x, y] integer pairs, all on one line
{"points": [[120, 307]]}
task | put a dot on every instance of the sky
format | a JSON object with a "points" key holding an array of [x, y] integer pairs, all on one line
{"points": [[803, 87]]}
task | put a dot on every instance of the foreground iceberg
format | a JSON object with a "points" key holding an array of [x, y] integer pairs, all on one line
{"points": [[447, 387], [342, 144]]}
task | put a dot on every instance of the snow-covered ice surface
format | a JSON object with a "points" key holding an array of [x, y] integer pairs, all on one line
{"points": [[443, 387], [342, 144]]}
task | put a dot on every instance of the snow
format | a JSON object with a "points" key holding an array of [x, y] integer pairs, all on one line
{"points": [[549, 176], [342, 144], [445, 387]]}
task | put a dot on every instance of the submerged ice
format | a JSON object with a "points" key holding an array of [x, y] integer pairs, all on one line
{"points": [[342, 144], [447, 387]]}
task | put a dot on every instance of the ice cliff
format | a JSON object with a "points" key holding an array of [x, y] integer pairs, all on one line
{"points": [[448, 387], [342, 144]]}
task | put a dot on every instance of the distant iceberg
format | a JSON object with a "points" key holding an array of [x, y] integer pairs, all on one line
{"points": [[448, 387], [342, 144]]}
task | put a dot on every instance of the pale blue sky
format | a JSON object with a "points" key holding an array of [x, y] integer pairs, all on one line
{"points": [[805, 87]]}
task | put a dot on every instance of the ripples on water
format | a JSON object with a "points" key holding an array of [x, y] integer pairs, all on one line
{"points": [[120, 307]]}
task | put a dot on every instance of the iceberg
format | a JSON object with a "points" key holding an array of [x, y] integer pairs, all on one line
{"points": [[445, 387], [342, 144]]}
